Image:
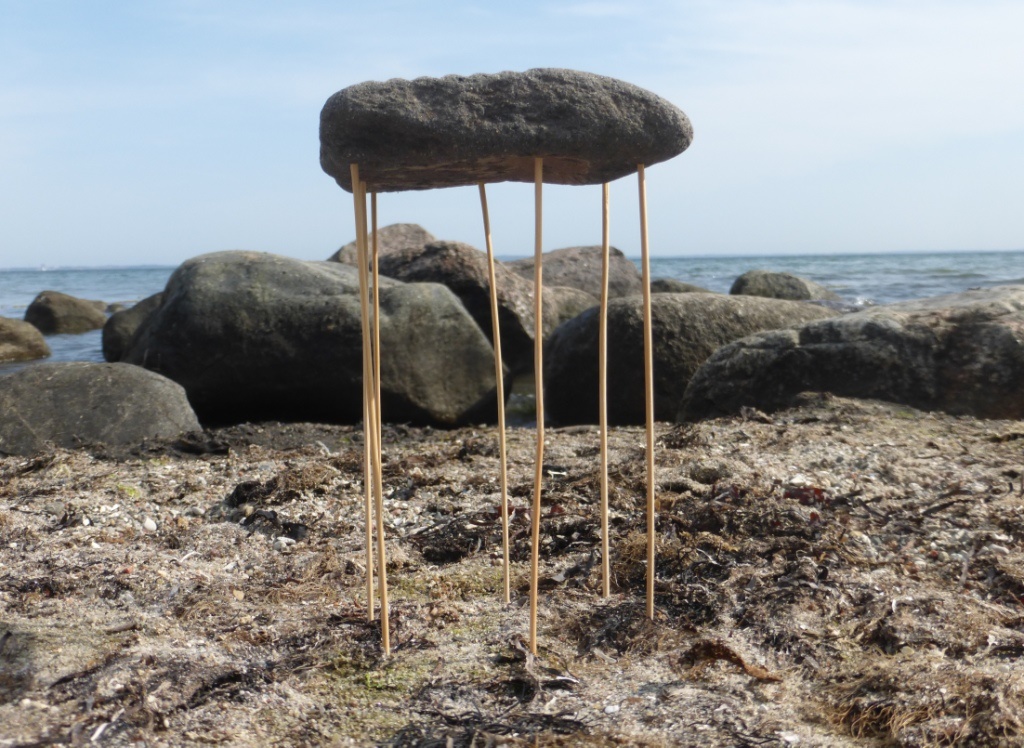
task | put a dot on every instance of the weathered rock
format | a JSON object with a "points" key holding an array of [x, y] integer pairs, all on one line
{"points": [[562, 304], [20, 341], [255, 336], [774, 285], [462, 130], [68, 404], [671, 285], [463, 269], [687, 328], [394, 238], [56, 313], [580, 267], [119, 329], [961, 353]]}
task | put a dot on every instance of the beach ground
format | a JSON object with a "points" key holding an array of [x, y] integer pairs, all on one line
{"points": [[839, 573]]}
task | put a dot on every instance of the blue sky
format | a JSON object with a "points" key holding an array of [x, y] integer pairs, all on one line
{"points": [[150, 132]]}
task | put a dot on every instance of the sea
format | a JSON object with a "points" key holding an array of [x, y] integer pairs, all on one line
{"points": [[861, 279]]}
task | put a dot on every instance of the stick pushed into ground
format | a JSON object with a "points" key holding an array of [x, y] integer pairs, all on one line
{"points": [[602, 386], [645, 264], [499, 378], [538, 373]]}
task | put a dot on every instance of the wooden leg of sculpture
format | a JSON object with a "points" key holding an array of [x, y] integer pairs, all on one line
{"points": [[378, 478], [538, 373], [499, 378], [602, 386], [645, 263], [368, 470]]}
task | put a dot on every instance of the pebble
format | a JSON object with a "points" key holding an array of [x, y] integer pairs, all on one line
{"points": [[149, 525], [283, 544], [195, 511], [611, 709]]}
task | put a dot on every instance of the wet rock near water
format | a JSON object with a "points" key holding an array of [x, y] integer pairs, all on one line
{"points": [[56, 313], [254, 336], [70, 404], [21, 341], [780, 286], [687, 328], [581, 268], [119, 329], [671, 285], [960, 353], [463, 269], [462, 130]]}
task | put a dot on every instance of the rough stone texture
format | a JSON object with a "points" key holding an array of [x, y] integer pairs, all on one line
{"points": [[119, 329], [774, 285], [671, 285], [394, 238], [67, 404], [580, 267], [960, 353], [463, 269], [255, 336], [562, 304], [20, 341], [462, 130], [687, 329], [56, 313]]}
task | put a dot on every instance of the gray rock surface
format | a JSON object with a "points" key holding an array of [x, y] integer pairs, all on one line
{"points": [[119, 329], [20, 341], [255, 336], [394, 238], [671, 285], [462, 130], [960, 353], [56, 313], [780, 286], [580, 267], [463, 269], [71, 403], [687, 329], [562, 304]]}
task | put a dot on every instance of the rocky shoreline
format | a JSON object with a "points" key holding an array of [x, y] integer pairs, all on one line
{"points": [[842, 572]]}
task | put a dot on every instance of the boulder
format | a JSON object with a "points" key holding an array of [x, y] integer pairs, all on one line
{"points": [[56, 313], [774, 285], [394, 238], [118, 330], [463, 269], [671, 285], [463, 130], [255, 336], [960, 353], [687, 328], [562, 304], [20, 341], [580, 267], [74, 403]]}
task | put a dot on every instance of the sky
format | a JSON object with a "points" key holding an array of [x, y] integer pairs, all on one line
{"points": [[152, 131]]}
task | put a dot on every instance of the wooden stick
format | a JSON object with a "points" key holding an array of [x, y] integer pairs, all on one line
{"points": [[602, 387], [499, 378], [378, 479], [645, 263], [538, 374], [368, 416]]}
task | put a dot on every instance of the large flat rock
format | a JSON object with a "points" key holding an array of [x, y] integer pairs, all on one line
{"points": [[463, 130]]}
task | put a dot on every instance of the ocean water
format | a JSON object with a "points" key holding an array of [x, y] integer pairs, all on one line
{"points": [[861, 279]]}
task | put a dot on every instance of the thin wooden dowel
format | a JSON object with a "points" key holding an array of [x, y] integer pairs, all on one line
{"points": [[378, 479], [602, 387], [368, 414], [499, 378], [645, 263], [538, 374]]}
